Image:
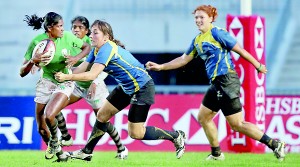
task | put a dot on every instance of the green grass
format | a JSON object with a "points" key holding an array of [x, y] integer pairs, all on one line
{"points": [[151, 159]]}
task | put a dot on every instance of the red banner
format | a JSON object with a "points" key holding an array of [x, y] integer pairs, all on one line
{"points": [[283, 120], [180, 112], [170, 112], [250, 34]]}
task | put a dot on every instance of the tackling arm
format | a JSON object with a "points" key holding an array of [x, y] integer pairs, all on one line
{"points": [[173, 64], [85, 76]]}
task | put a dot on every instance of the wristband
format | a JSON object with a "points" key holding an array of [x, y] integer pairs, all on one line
{"points": [[259, 68]]}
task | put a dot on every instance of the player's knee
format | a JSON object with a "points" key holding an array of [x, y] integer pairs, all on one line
{"points": [[135, 134], [104, 116], [236, 126], [201, 119], [50, 118]]}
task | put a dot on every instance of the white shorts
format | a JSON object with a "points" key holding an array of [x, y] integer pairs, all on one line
{"points": [[101, 93], [45, 88]]}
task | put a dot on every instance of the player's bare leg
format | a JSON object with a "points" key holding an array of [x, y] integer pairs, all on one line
{"points": [[238, 124], [205, 118], [53, 107], [43, 129]]}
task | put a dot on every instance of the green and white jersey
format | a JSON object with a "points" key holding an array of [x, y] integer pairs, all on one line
{"points": [[75, 51], [68, 42]]}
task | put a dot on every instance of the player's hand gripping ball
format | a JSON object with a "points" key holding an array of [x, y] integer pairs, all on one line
{"points": [[47, 47]]}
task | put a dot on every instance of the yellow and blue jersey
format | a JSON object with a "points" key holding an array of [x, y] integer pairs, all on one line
{"points": [[214, 48], [122, 65]]}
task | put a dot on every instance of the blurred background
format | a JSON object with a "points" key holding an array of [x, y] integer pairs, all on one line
{"points": [[157, 30]]}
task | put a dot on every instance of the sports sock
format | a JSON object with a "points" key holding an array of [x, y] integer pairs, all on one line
{"points": [[99, 130], [154, 133], [46, 140], [113, 133], [271, 143], [45, 136], [62, 126], [216, 151], [53, 131]]}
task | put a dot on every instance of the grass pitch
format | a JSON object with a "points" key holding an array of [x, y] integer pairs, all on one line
{"points": [[149, 159]]}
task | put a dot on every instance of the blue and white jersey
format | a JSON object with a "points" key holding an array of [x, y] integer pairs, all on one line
{"points": [[122, 65], [214, 48]]}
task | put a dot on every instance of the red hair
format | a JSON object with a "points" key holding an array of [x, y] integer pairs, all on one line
{"points": [[209, 10]]}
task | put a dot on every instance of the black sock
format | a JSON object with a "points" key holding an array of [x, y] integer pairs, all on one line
{"points": [[216, 151], [46, 140], [99, 130], [113, 133], [154, 133], [271, 143]]}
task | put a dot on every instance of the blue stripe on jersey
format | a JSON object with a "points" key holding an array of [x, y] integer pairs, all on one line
{"points": [[121, 64], [214, 48]]}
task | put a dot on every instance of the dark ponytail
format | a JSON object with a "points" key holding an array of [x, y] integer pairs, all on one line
{"points": [[50, 19], [118, 43], [34, 21]]}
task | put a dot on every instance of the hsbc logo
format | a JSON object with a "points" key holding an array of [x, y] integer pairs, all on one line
{"points": [[86, 118], [236, 30], [11, 126], [259, 35], [199, 137]]}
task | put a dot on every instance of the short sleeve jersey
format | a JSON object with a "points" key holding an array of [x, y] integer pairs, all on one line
{"points": [[122, 65], [57, 64], [214, 48]]}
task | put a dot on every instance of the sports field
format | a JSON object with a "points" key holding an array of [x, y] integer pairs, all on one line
{"points": [[151, 159]]}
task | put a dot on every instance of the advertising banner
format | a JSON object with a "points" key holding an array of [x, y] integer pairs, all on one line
{"points": [[250, 34], [283, 120], [18, 128], [170, 112]]}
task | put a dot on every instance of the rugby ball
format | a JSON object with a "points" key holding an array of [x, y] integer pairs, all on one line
{"points": [[47, 46]]}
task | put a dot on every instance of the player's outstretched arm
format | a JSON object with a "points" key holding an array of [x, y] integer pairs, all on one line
{"points": [[247, 56], [26, 67], [85, 76], [173, 64]]}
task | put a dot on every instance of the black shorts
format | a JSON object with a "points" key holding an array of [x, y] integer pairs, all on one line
{"points": [[140, 101], [224, 94]]}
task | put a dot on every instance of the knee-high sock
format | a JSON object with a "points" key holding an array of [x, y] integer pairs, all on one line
{"points": [[53, 132], [99, 130], [62, 125], [154, 133], [113, 133]]}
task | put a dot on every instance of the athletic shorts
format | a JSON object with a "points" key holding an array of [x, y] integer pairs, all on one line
{"points": [[145, 96], [45, 88], [224, 94], [96, 102]]}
